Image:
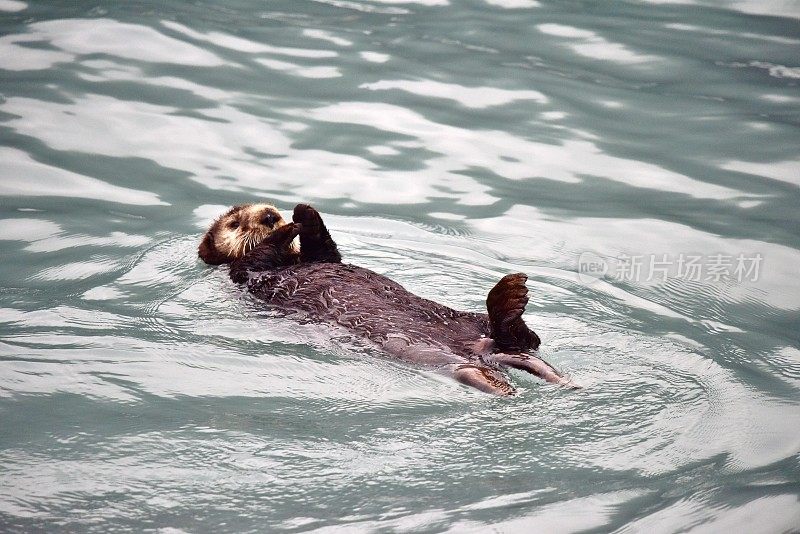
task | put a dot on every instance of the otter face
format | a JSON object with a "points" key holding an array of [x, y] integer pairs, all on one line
{"points": [[237, 231]]}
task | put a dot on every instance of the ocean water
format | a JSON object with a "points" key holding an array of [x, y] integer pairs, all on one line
{"points": [[638, 160]]}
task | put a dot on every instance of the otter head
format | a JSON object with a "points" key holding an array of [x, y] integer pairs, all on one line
{"points": [[237, 231]]}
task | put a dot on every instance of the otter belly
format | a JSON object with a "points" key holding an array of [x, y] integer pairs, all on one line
{"points": [[372, 306]]}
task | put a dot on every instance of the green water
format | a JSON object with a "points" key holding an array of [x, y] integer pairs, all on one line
{"points": [[638, 160]]}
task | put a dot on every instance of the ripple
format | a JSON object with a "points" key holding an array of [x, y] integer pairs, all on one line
{"points": [[130, 41], [514, 4], [786, 171], [513, 157], [375, 57], [780, 515], [12, 6], [298, 70], [78, 270], [591, 45], [327, 36], [19, 57], [471, 97], [244, 45], [27, 177]]}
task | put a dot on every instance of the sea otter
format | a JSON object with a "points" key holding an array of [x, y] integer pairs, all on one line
{"points": [[312, 284]]}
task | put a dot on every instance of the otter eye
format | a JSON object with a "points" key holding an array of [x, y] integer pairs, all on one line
{"points": [[233, 224]]}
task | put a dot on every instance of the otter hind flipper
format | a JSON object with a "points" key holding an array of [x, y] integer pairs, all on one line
{"points": [[505, 304], [533, 365], [316, 243], [274, 251], [483, 378]]}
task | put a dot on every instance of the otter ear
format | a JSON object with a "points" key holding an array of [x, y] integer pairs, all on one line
{"points": [[208, 251]]}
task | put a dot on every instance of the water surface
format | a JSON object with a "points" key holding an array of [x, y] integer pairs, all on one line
{"points": [[638, 160]]}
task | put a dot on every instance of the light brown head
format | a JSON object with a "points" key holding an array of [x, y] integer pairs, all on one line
{"points": [[237, 231]]}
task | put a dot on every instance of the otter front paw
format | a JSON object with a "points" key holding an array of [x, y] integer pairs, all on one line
{"points": [[239, 273], [283, 235], [307, 216], [316, 244], [272, 252]]}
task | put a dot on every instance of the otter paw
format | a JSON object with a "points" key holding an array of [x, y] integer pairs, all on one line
{"points": [[308, 216], [316, 244], [283, 235]]}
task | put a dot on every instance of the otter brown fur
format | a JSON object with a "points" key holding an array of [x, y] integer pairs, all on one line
{"points": [[314, 285]]}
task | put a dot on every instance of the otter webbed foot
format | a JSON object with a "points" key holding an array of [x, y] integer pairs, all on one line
{"points": [[483, 378], [533, 365], [316, 243], [274, 251], [505, 304]]}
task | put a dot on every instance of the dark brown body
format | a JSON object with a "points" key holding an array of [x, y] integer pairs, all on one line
{"points": [[372, 306], [316, 286]]}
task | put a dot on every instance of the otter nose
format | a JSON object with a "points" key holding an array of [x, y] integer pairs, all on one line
{"points": [[269, 219]]}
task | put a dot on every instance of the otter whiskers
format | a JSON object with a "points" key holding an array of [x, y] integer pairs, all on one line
{"points": [[245, 243]]}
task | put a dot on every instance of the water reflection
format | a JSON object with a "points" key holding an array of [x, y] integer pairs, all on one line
{"points": [[511, 157], [118, 39], [447, 144], [471, 97], [245, 45], [27, 177], [588, 43]]}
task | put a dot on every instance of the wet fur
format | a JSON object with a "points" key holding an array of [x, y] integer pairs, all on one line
{"points": [[314, 285]]}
